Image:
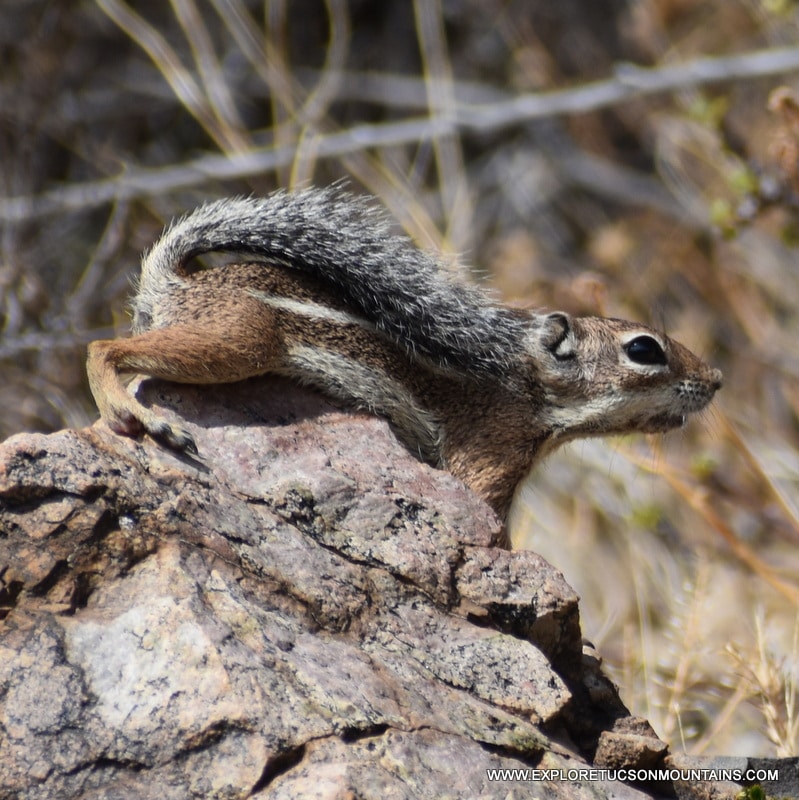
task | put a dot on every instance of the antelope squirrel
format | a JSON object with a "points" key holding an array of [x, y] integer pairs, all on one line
{"points": [[330, 297]]}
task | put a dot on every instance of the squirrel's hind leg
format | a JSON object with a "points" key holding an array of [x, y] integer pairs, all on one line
{"points": [[183, 353]]}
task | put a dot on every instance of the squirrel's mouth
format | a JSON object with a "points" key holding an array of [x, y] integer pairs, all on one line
{"points": [[666, 422]]}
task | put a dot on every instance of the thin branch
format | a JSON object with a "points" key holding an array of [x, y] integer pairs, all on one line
{"points": [[11, 347], [441, 99], [629, 81], [169, 65], [316, 102], [326, 88], [210, 71]]}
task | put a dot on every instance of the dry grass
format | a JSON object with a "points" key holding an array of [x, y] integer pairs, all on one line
{"points": [[627, 193]]}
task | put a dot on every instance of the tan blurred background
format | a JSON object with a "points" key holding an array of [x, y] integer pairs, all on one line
{"points": [[514, 136]]}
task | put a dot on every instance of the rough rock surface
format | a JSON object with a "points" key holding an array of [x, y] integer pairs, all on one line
{"points": [[305, 611]]}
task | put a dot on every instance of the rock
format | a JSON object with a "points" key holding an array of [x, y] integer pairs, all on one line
{"points": [[630, 742], [303, 611]]}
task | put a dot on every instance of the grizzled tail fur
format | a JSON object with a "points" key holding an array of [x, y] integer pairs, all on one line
{"points": [[345, 242]]}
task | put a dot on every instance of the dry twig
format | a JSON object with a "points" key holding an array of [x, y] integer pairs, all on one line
{"points": [[628, 81]]}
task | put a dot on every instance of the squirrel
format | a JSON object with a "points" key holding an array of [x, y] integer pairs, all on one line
{"points": [[329, 296]]}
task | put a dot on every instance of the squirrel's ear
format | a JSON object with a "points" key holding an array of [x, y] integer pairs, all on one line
{"points": [[557, 335]]}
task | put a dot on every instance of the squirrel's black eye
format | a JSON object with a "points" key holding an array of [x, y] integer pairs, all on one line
{"points": [[645, 350]]}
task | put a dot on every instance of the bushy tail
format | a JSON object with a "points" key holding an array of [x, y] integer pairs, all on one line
{"points": [[345, 242]]}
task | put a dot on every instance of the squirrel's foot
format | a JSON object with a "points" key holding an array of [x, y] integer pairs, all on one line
{"points": [[173, 437], [123, 413], [127, 423]]}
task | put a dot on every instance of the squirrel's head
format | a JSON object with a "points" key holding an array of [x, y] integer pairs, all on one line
{"points": [[603, 376]]}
